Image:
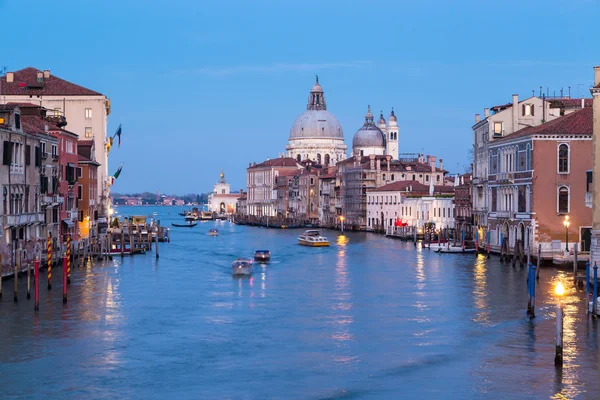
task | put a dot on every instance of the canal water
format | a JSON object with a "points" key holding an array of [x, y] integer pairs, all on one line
{"points": [[367, 318]]}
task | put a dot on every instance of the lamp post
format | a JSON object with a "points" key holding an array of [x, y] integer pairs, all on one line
{"points": [[342, 222], [566, 223], [559, 290]]}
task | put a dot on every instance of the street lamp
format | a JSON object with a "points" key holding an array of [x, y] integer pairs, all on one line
{"points": [[342, 222], [566, 223], [559, 290]]}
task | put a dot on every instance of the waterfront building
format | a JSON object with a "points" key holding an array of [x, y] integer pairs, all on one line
{"points": [[328, 216], [537, 176], [379, 139], [86, 110], [221, 200], [409, 203], [316, 134], [463, 204], [22, 217], [260, 181], [286, 186], [500, 121], [87, 189], [593, 191]]}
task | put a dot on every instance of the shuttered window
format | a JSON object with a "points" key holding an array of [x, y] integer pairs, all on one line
{"points": [[27, 155], [7, 153], [38, 157]]}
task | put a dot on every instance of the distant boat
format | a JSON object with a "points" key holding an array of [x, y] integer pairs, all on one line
{"points": [[190, 225], [241, 267], [313, 238], [454, 249], [213, 232], [262, 255], [155, 213]]}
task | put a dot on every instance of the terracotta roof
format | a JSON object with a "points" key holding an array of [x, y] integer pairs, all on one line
{"points": [[25, 82], [500, 107], [277, 162], [330, 175], [570, 103], [577, 123], [25, 105], [8, 107], [35, 124]]}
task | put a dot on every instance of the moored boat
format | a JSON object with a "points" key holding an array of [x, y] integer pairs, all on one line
{"points": [[241, 267], [262, 255], [454, 249], [213, 232], [190, 225], [313, 238]]}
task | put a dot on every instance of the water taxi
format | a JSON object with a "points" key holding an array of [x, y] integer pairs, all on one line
{"points": [[262, 255], [313, 238], [213, 232], [454, 249], [241, 267]]}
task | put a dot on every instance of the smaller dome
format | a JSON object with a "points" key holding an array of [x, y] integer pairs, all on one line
{"points": [[392, 119], [381, 123], [369, 135]]}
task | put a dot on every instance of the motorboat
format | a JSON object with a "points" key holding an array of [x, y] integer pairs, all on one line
{"points": [[190, 217], [435, 246], [189, 225], [262, 255], [241, 267], [213, 232], [313, 238], [206, 216], [454, 249]]}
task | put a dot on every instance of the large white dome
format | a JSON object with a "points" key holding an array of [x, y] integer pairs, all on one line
{"points": [[316, 124]]}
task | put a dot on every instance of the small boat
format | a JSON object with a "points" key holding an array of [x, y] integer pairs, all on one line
{"points": [[213, 232], [262, 255], [206, 216], [454, 249], [155, 213], [241, 267], [189, 217], [190, 225], [313, 238]]}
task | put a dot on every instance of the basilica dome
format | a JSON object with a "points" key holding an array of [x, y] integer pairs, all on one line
{"points": [[316, 121], [369, 135]]}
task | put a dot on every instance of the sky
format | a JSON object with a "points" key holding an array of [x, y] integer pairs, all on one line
{"points": [[201, 86]]}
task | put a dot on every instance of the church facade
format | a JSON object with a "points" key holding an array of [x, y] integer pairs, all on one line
{"points": [[379, 140], [221, 200]]}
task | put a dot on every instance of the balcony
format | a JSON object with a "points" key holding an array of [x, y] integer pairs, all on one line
{"points": [[73, 214], [507, 177], [44, 155], [502, 214], [589, 199], [55, 157], [23, 219]]}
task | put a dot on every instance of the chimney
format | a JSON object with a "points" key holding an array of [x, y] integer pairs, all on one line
{"points": [[10, 77], [515, 115], [596, 75], [433, 159], [486, 112], [40, 75], [477, 118], [442, 168], [582, 102], [249, 164], [46, 73], [428, 159]]}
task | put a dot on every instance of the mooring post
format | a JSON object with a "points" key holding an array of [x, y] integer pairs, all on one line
{"points": [[595, 300], [489, 237], [529, 290], [36, 283], [123, 240], [156, 244], [558, 357], [539, 262], [64, 259], [28, 281], [68, 258], [533, 269], [16, 280], [587, 279], [49, 243], [575, 263]]}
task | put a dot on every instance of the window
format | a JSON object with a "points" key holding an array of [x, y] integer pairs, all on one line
{"points": [[427, 178], [298, 158], [79, 192], [362, 153], [69, 146], [528, 110], [497, 128], [54, 150], [384, 177], [414, 177], [563, 200], [392, 177], [57, 112], [88, 132], [522, 199], [437, 178], [88, 113], [17, 121], [494, 199], [563, 158], [79, 172]]}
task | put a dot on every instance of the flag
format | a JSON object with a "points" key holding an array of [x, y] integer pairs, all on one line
{"points": [[116, 175], [118, 133]]}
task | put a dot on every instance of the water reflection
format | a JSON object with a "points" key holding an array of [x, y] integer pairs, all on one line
{"points": [[342, 318], [480, 292]]}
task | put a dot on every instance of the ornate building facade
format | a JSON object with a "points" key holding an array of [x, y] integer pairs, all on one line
{"points": [[316, 134], [379, 140]]}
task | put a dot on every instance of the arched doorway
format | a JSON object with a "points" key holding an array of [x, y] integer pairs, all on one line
{"points": [[222, 208], [298, 158]]}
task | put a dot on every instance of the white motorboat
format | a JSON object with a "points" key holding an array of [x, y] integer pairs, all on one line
{"points": [[435, 246], [454, 249], [213, 232], [313, 238], [241, 267]]}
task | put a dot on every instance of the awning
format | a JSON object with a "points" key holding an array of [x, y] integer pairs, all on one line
{"points": [[68, 222]]}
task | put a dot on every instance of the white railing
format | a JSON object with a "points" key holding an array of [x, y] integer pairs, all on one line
{"points": [[22, 219]]}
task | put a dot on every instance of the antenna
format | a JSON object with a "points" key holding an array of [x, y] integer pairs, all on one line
{"points": [[569, 91], [532, 92], [540, 91]]}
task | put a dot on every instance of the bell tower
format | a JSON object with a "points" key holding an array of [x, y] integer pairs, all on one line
{"points": [[392, 145]]}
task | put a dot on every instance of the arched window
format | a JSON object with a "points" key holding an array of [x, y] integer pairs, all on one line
{"points": [[318, 158], [384, 177], [414, 177], [362, 153], [563, 158], [326, 159], [563, 200], [392, 176], [298, 158]]}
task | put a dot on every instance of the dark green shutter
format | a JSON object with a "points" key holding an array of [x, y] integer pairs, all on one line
{"points": [[7, 153], [27, 155]]}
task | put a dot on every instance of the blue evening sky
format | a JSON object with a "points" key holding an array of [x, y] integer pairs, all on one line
{"points": [[201, 86]]}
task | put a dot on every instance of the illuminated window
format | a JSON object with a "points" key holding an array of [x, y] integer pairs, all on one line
{"points": [[88, 132]]}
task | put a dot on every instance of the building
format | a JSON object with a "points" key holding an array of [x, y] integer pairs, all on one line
{"points": [[503, 120], [537, 177], [21, 215], [86, 110], [86, 198], [409, 203], [261, 178], [379, 139], [594, 191], [221, 200], [316, 134], [68, 188], [463, 204], [328, 216]]}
